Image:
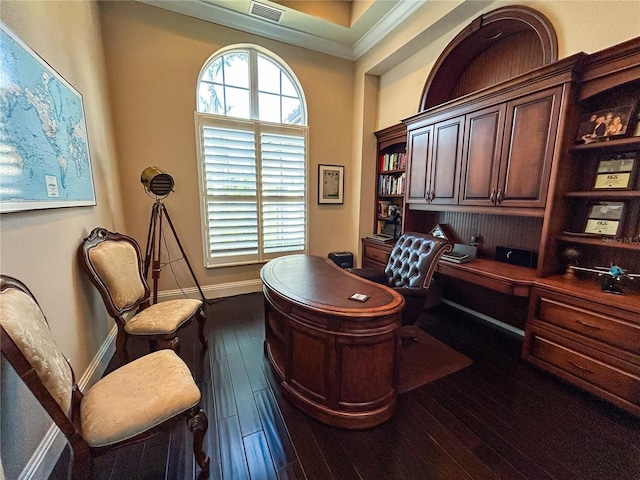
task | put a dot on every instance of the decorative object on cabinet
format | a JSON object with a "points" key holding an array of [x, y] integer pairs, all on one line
{"points": [[330, 184], [605, 218], [610, 277], [616, 171], [604, 124], [441, 231], [571, 256]]}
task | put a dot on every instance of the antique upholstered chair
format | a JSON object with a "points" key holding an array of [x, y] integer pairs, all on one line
{"points": [[125, 406], [409, 271], [113, 263]]}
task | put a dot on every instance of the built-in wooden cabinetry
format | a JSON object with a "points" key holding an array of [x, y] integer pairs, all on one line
{"points": [[434, 146], [492, 151], [390, 176], [586, 337], [495, 153], [509, 150]]}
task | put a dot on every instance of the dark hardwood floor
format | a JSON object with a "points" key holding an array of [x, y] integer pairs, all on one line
{"points": [[500, 418]]}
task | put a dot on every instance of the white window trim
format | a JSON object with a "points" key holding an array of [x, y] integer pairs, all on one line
{"points": [[202, 120]]}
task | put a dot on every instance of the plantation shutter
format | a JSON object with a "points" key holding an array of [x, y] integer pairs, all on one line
{"points": [[283, 191], [255, 190]]}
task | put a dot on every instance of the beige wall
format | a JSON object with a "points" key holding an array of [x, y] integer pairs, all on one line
{"points": [[154, 58], [39, 247], [580, 27]]}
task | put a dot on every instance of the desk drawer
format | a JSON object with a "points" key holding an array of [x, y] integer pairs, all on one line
{"points": [[586, 368], [376, 254], [608, 328]]}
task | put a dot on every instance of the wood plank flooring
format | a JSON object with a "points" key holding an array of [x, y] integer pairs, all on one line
{"points": [[500, 418]]}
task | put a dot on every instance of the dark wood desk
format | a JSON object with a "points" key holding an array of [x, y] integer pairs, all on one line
{"points": [[336, 359], [498, 276], [501, 277]]}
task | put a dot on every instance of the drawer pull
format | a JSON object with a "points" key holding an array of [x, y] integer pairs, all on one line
{"points": [[590, 325], [580, 367]]}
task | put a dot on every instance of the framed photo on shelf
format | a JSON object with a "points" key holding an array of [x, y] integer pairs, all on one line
{"points": [[441, 231], [330, 184], [605, 218], [604, 124], [616, 172]]}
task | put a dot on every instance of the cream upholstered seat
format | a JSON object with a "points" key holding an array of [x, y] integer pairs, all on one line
{"points": [[114, 264], [125, 406]]}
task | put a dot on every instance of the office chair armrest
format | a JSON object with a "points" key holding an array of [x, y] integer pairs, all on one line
{"points": [[370, 274], [412, 292]]}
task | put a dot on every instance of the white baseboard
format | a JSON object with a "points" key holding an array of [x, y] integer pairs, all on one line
{"points": [[214, 291], [484, 317], [44, 459]]}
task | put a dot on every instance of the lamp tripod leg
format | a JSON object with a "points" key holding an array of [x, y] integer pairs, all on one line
{"points": [[184, 255]]}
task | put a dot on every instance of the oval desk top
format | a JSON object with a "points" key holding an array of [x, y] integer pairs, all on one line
{"points": [[319, 284]]}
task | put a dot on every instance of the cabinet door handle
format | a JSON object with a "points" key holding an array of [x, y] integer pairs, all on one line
{"points": [[499, 197], [580, 367], [590, 325], [492, 197]]}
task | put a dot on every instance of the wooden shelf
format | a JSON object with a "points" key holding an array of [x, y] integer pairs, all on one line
{"points": [[605, 194], [616, 144], [392, 172], [586, 239]]}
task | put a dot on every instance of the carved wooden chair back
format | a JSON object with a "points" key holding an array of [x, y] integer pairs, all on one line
{"points": [[110, 414], [113, 262]]}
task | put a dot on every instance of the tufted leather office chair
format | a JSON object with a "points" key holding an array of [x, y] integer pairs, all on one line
{"points": [[409, 271]]}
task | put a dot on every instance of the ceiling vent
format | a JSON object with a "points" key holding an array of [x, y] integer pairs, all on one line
{"points": [[266, 12]]}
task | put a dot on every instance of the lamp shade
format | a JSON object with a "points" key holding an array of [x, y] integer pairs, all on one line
{"points": [[157, 181]]}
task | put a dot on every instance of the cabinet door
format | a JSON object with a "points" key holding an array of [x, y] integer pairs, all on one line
{"points": [[481, 156], [418, 147], [527, 153], [443, 166]]}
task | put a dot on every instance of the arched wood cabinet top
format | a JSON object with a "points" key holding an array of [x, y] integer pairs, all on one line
{"points": [[495, 47]]}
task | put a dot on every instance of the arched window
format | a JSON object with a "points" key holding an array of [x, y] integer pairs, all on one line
{"points": [[252, 144]]}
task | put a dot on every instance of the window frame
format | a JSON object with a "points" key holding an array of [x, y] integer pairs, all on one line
{"points": [[202, 120]]}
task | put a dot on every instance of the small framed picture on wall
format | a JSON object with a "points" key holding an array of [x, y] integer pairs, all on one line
{"points": [[330, 184]]}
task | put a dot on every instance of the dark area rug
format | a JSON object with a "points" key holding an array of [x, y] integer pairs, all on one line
{"points": [[425, 359]]}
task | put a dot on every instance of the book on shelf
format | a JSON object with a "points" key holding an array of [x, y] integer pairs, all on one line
{"points": [[393, 161], [391, 184]]}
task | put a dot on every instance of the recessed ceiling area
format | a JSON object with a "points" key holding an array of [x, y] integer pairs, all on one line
{"points": [[343, 28]]}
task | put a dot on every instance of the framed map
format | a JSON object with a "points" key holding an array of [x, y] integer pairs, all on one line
{"points": [[44, 152]]}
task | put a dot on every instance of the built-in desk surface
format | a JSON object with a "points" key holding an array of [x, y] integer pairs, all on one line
{"points": [[502, 277]]}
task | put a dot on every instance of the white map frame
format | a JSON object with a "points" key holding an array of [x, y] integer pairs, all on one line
{"points": [[56, 172]]}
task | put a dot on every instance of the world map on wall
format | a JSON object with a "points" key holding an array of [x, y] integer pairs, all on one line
{"points": [[44, 152]]}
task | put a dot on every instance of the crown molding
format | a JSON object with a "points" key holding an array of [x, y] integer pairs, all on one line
{"points": [[246, 23], [386, 25]]}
